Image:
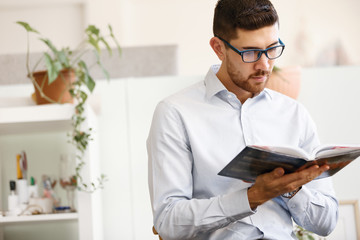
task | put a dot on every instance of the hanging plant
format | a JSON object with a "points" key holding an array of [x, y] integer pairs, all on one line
{"points": [[66, 68]]}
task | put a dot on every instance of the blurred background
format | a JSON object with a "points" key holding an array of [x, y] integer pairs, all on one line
{"points": [[316, 33], [321, 36]]}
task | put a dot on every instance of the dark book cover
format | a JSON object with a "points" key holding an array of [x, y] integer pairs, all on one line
{"points": [[252, 162]]}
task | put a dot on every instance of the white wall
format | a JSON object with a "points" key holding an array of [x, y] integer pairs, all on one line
{"points": [[332, 97], [320, 32], [61, 21]]}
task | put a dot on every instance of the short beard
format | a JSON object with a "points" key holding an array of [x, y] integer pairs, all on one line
{"points": [[243, 82]]}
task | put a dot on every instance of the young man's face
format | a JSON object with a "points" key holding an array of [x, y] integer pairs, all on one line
{"points": [[251, 77]]}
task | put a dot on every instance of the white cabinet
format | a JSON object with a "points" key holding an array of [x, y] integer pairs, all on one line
{"points": [[42, 132], [127, 107]]}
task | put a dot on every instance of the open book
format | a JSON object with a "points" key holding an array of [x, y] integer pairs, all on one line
{"points": [[256, 160]]}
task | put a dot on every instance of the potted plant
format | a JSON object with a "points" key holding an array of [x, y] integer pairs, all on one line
{"points": [[286, 80], [68, 75]]}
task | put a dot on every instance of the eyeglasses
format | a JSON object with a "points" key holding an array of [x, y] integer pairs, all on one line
{"points": [[253, 55]]}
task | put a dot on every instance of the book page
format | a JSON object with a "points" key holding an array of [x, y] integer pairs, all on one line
{"points": [[333, 150], [286, 150]]}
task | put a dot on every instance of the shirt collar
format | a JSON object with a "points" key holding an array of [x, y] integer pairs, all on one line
{"points": [[268, 93], [214, 85]]}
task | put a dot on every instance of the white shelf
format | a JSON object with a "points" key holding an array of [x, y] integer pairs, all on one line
{"points": [[18, 116], [35, 118], [38, 218]]}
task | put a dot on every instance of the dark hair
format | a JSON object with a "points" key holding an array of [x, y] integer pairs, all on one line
{"points": [[245, 14]]}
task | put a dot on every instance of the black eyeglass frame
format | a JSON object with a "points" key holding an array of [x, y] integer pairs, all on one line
{"points": [[241, 53]]}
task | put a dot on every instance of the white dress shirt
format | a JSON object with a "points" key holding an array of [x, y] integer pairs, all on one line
{"points": [[199, 130]]}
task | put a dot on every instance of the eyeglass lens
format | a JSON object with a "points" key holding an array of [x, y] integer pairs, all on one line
{"points": [[254, 55]]}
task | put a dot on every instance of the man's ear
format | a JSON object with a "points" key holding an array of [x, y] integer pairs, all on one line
{"points": [[218, 46]]}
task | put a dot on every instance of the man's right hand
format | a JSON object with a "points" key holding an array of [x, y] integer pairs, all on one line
{"points": [[276, 183]]}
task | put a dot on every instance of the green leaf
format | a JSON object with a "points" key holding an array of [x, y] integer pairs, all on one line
{"points": [[62, 57], [91, 29], [106, 45], [98, 62], [83, 97], [94, 42], [89, 81], [114, 39], [50, 45], [58, 66], [27, 27], [52, 69]]}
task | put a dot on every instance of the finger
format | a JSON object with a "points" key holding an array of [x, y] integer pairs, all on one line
{"points": [[324, 168], [305, 176], [278, 172], [315, 171], [273, 175]]}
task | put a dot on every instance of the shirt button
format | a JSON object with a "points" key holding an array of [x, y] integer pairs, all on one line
{"points": [[229, 96]]}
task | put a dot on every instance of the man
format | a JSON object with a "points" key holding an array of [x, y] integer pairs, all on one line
{"points": [[197, 131]]}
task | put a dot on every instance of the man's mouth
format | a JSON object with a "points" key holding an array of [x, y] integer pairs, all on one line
{"points": [[259, 78]]}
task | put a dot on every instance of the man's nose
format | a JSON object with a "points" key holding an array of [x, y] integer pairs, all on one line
{"points": [[263, 63]]}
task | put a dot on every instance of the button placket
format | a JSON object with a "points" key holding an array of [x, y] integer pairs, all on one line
{"points": [[233, 101], [245, 125]]}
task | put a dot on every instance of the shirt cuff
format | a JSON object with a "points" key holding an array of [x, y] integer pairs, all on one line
{"points": [[236, 205], [300, 202]]}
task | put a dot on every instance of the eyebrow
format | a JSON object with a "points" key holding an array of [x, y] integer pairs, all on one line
{"points": [[271, 45]]}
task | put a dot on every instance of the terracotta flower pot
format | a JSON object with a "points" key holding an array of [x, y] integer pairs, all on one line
{"points": [[58, 90], [286, 80]]}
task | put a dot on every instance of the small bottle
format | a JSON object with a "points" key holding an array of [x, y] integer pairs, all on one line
{"points": [[21, 183], [33, 189], [22, 191], [13, 199]]}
